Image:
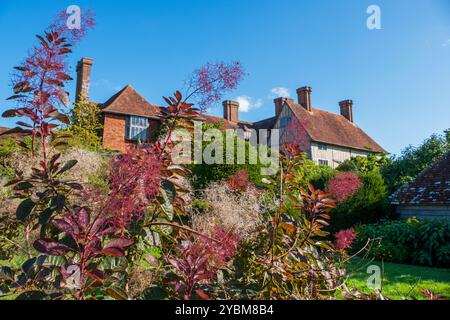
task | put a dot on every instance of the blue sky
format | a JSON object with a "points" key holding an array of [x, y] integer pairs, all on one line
{"points": [[398, 77]]}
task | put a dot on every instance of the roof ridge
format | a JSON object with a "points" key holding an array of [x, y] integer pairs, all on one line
{"points": [[329, 127]]}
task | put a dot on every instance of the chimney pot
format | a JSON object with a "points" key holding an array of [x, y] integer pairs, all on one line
{"points": [[231, 110], [83, 79], [347, 109], [279, 103], [304, 97]]}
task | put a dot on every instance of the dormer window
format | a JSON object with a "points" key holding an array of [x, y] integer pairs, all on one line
{"points": [[137, 128]]}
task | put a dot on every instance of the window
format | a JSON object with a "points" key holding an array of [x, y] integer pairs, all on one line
{"points": [[323, 147], [323, 162], [137, 128]]}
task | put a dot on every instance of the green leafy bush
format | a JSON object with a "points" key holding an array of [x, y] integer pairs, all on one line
{"points": [[368, 205], [411, 241], [204, 174], [85, 125], [310, 172], [364, 164]]}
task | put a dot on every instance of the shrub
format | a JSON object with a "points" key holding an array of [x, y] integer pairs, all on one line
{"points": [[85, 125], [368, 205], [8, 146], [204, 174], [89, 162], [411, 241], [310, 172], [222, 206], [344, 185], [364, 165]]}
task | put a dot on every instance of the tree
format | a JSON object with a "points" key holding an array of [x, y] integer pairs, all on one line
{"points": [[368, 205], [413, 160], [364, 165], [203, 174], [85, 124]]}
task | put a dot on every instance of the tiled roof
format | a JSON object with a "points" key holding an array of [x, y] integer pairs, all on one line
{"points": [[128, 101], [431, 187], [265, 124], [226, 124], [331, 128]]}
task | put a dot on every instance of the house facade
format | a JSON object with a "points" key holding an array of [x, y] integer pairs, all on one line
{"points": [[427, 196], [329, 139]]}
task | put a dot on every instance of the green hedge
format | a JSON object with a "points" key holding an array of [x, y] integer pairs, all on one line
{"points": [[412, 241]]}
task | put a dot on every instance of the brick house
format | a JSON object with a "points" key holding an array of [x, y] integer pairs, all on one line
{"points": [[330, 138], [428, 196], [129, 118]]}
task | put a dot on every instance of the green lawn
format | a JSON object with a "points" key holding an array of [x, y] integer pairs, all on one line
{"points": [[400, 280]]}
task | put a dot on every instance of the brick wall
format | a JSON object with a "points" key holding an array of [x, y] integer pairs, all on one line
{"points": [[114, 132]]}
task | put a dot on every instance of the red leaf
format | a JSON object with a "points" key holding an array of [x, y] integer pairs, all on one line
{"points": [[44, 43], [202, 294], [115, 252], [64, 50], [23, 86], [84, 218], [96, 274], [49, 37], [9, 113], [119, 243], [18, 131], [50, 247], [63, 76], [23, 69], [17, 96]]}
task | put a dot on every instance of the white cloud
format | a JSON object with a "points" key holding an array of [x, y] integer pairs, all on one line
{"points": [[107, 84], [446, 43], [280, 92], [247, 103]]}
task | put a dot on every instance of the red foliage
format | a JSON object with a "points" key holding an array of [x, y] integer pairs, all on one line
{"points": [[88, 237], [39, 81], [211, 81], [344, 185], [198, 261], [345, 238], [430, 295], [74, 35], [239, 181], [135, 181]]}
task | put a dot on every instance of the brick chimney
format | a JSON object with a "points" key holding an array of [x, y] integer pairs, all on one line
{"points": [[231, 110], [83, 78], [347, 109], [279, 103], [304, 98]]}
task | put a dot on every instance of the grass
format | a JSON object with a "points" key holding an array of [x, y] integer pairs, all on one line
{"points": [[400, 280]]}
